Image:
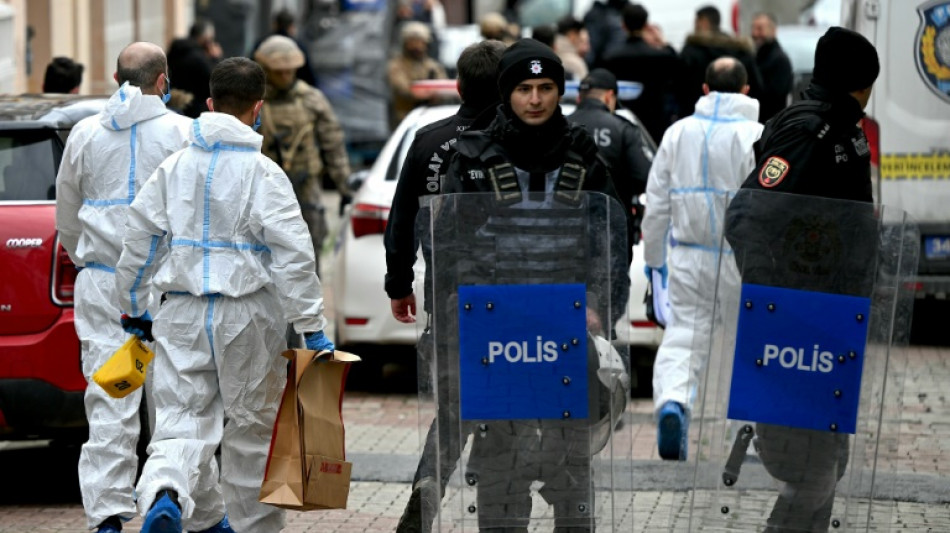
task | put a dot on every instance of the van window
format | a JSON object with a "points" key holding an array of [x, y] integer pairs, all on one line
{"points": [[28, 165]]}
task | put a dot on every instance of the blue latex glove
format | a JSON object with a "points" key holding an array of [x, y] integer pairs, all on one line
{"points": [[318, 342], [664, 273], [140, 326]]}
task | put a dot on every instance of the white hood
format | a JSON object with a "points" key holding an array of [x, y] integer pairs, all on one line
{"points": [[727, 106], [213, 130], [129, 106]]}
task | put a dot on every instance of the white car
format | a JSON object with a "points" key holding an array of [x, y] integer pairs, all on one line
{"points": [[362, 309]]}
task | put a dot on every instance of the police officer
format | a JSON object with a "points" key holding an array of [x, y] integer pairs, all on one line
{"points": [[620, 141], [421, 176], [301, 132], [814, 148], [530, 147]]}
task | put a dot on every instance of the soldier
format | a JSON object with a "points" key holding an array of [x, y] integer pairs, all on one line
{"points": [[301, 132], [411, 64]]}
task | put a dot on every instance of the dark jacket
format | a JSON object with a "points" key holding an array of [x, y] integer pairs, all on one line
{"points": [[777, 79], [825, 151], [702, 49], [811, 148], [189, 69], [422, 174], [507, 146], [621, 144], [604, 24], [660, 72]]}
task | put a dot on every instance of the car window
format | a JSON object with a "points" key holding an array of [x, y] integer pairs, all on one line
{"points": [[395, 164], [29, 160]]}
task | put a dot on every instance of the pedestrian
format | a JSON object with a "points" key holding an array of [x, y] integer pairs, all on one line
{"points": [[284, 23], [544, 34], [528, 150], [773, 65], [620, 142], [604, 23], [813, 148], [63, 75], [301, 133], [106, 160], [701, 159], [412, 63], [190, 61], [647, 59], [218, 230], [707, 43], [421, 176], [572, 44]]}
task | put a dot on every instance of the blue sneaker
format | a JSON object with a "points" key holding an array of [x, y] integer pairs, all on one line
{"points": [[108, 529], [221, 527], [163, 517], [671, 432]]}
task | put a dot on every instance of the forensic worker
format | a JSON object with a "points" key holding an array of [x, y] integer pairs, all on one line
{"points": [[218, 230], [702, 159], [106, 160]]}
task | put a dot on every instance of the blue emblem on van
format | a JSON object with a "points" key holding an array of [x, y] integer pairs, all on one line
{"points": [[933, 46]]}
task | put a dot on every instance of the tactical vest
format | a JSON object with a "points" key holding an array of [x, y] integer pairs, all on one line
{"points": [[287, 125]]}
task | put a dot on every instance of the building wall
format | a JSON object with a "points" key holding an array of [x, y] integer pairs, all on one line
{"points": [[92, 32]]}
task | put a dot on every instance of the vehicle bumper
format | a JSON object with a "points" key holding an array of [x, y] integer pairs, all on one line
{"points": [[41, 381]]}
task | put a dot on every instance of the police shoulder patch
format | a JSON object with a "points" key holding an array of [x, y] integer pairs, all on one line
{"points": [[773, 172]]}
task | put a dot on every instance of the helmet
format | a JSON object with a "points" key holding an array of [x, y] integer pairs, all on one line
{"points": [[415, 30], [279, 53]]}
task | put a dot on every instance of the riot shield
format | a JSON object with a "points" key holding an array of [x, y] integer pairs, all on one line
{"points": [[520, 384], [794, 426]]}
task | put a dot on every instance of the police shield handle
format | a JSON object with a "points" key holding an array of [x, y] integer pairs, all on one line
{"points": [[124, 372]]}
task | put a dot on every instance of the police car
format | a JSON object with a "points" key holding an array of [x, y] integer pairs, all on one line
{"points": [[360, 305]]}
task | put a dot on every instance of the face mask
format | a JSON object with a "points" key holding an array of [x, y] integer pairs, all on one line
{"points": [[257, 122], [168, 90]]}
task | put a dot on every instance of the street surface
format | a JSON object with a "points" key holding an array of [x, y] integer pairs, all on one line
{"points": [[40, 494]]}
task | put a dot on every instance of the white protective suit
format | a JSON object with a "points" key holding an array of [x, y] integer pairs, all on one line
{"points": [[106, 160], [236, 262], [701, 160]]}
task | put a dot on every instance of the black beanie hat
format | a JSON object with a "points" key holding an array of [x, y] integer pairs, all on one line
{"points": [[845, 61], [528, 58]]}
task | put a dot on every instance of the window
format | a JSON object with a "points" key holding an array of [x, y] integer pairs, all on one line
{"points": [[28, 165]]}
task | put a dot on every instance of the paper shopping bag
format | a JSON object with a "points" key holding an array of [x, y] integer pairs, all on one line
{"points": [[307, 467]]}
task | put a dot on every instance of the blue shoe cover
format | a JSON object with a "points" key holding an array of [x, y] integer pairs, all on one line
{"points": [[221, 527], [163, 517], [670, 432], [107, 529]]}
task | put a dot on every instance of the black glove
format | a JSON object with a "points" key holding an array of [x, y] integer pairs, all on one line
{"points": [[140, 326]]}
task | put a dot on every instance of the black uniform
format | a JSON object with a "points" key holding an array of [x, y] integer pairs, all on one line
{"points": [[620, 143], [815, 147], [812, 148], [422, 175]]}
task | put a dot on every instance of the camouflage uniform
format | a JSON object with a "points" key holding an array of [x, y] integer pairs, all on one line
{"points": [[409, 66], [301, 133]]}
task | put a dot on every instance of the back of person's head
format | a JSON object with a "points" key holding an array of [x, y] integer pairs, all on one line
{"points": [[845, 61], [63, 75], [726, 75], [711, 15], [544, 34], [567, 24], [140, 64], [597, 83], [635, 17], [200, 29], [283, 21], [237, 83], [478, 72]]}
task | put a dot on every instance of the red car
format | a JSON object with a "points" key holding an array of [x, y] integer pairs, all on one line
{"points": [[41, 381]]}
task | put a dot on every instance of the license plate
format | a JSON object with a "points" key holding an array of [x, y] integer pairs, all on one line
{"points": [[937, 247]]}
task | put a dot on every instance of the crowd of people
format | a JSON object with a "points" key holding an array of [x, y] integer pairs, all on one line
{"points": [[193, 211]]}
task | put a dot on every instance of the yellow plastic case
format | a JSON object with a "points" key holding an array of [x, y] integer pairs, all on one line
{"points": [[125, 370]]}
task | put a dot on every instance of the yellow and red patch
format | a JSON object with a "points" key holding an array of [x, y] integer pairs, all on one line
{"points": [[773, 172]]}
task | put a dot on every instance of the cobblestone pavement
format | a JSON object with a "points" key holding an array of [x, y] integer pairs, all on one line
{"points": [[384, 436]]}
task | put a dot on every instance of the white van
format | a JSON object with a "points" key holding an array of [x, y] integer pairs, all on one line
{"points": [[908, 123]]}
